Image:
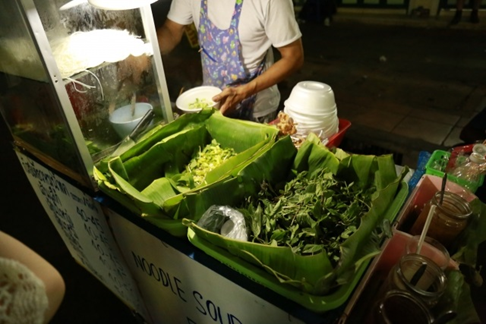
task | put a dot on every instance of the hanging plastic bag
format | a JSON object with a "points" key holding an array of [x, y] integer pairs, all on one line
{"points": [[224, 220]]}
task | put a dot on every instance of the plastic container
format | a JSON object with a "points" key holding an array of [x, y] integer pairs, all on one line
{"points": [[314, 122], [324, 125], [295, 110], [318, 304], [301, 118], [470, 171], [336, 139], [320, 132], [327, 126], [438, 155], [312, 106], [458, 155], [312, 97]]}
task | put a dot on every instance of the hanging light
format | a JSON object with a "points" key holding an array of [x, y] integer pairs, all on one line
{"points": [[72, 4], [119, 4]]}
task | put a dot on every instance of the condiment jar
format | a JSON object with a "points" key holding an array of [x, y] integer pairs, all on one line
{"points": [[449, 219], [431, 248], [401, 307], [419, 276]]}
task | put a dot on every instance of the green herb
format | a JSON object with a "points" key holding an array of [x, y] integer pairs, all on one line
{"points": [[204, 161], [312, 214]]}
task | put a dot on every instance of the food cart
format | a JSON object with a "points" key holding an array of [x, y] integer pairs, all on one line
{"points": [[143, 247], [65, 68], [79, 65]]}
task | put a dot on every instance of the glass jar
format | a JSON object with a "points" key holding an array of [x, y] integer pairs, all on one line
{"points": [[400, 307], [449, 219], [419, 276], [431, 248]]}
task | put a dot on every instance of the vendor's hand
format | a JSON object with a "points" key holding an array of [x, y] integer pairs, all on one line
{"points": [[133, 67], [230, 97]]}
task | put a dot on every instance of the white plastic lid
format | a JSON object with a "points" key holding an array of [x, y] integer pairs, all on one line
{"points": [[480, 149], [477, 158]]}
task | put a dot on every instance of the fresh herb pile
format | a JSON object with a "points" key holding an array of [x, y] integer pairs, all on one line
{"points": [[313, 213], [206, 160]]}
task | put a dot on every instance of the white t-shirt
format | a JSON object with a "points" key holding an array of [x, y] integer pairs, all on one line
{"points": [[263, 24]]}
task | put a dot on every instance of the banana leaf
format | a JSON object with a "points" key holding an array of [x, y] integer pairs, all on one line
{"points": [[466, 246], [159, 133], [273, 163], [314, 274], [142, 179]]}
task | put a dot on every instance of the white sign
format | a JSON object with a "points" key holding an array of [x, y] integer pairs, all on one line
{"points": [[82, 225], [178, 288]]}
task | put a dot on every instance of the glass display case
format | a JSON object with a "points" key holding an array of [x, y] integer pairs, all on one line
{"points": [[66, 67]]}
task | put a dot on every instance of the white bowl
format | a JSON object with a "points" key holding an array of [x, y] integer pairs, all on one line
{"points": [[299, 116], [311, 106], [307, 122], [326, 133], [204, 93], [312, 97], [325, 128], [297, 110], [306, 109], [124, 122]]}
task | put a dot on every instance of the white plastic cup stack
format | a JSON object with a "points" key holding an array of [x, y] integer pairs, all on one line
{"points": [[312, 106]]}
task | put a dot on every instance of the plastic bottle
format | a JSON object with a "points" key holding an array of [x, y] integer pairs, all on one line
{"points": [[471, 171], [460, 159]]}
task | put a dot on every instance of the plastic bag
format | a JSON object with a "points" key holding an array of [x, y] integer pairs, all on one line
{"points": [[224, 220]]}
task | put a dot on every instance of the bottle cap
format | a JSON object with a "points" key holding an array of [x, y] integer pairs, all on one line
{"points": [[477, 158], [480, 149]]}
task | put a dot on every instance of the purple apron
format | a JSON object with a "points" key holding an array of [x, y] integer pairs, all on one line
{"points": [[222, 62]]}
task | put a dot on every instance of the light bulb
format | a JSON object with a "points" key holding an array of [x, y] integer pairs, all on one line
{"points": [[120, 4], [72, 4]]}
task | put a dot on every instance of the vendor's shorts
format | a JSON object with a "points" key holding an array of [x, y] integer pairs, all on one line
{"points": [[266, 118]]}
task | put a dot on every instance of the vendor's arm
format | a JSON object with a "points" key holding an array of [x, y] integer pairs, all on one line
{"points": [[169, 35], [292, 59]]}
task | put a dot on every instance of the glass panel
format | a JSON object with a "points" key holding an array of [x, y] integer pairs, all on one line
{"points": [[106, 63], [95, 96], [18, 54], [28, 103]]}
